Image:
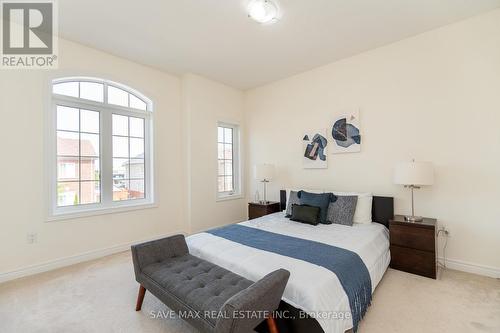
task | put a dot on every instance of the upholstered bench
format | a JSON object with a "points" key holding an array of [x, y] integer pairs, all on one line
{"points": [[211, 298]]}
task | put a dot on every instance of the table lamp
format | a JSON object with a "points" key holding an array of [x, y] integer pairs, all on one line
{"points": [[264, 173], [414, 175]]}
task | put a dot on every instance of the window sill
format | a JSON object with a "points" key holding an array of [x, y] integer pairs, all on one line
{"points": [[99, 211], [229, 197]]}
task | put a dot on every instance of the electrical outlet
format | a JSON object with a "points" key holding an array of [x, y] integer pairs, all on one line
{"points": [[31, 237], [443, 231]]}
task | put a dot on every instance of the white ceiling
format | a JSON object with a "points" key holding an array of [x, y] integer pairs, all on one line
{"points": [[216, 39]]}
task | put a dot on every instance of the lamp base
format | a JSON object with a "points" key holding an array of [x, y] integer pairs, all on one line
{"points": [[411, 218]]}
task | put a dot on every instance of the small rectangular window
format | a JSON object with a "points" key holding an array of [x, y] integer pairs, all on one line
{"points": [[228, 181]]}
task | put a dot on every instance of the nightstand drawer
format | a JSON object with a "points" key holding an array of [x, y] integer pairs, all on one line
{"points": [[256, 210], [413, 261], [413, 237]]}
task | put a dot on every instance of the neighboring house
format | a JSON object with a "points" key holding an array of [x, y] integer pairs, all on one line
{"points": [[120, 193], [128, 179], [78, 176], [135, 168]]}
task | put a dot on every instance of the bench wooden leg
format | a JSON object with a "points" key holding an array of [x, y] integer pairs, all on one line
{"points": [[140, 298], [271, 324]]}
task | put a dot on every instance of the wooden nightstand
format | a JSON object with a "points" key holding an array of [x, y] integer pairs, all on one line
{"points": [[413, 246], [256, 209]]}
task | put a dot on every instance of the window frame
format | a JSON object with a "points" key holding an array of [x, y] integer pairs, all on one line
{"points": [[237, 192], [106, 111]]}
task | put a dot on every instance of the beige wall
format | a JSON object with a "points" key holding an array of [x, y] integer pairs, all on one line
{"points": [[433, 97], [23, 109], [205, 103], [186, 113]]}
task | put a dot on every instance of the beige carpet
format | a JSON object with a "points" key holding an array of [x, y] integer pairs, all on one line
{"points": [[99, 296]]}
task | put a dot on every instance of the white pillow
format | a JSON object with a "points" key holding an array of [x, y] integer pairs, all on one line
{"points": [[363, 212], [299, 189]]}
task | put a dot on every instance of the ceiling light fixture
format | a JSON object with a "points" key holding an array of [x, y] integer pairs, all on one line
{"points": [[263, 11]]}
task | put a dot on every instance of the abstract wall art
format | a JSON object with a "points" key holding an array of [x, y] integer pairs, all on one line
{"points": [[314, 148], [346, 133]]}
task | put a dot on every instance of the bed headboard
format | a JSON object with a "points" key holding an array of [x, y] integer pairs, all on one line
{"points": [[382, 208]]}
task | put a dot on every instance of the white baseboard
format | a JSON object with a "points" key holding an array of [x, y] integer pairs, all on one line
{"points": [[75, 259], [469, 267], [458, 265]]}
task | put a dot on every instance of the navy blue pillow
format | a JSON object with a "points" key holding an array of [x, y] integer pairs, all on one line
{"points": [[321, 200]]}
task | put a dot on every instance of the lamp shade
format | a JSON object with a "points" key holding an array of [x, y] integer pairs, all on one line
{"points": [[414, 173], [264, 172]]}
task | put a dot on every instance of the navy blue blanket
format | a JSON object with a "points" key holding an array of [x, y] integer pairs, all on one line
{"points": [[347, 265]]}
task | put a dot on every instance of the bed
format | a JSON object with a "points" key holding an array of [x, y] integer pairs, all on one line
{"points": [[311, 288]]}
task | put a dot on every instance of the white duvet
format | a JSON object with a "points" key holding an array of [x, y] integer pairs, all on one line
{"points": [[311, 288]]}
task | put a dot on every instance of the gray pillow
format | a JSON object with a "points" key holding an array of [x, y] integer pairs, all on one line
{"points": [[342, 210], [293, 199]]}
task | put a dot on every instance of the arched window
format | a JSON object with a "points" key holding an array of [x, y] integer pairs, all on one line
{"points": [[101, 156]]}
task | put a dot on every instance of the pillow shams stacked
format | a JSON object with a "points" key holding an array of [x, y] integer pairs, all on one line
{"points": [[321, 200]]}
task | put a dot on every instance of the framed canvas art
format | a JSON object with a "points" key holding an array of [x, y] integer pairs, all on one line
{"points": [[314, 149], [346, 133]]}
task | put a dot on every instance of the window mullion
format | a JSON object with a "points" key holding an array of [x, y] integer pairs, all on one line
{"points": [[105, 93], [80, 152], [106, 158]]}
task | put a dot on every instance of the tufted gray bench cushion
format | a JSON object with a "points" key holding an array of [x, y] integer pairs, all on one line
{"points": [[202, 285], [187, 283]]}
